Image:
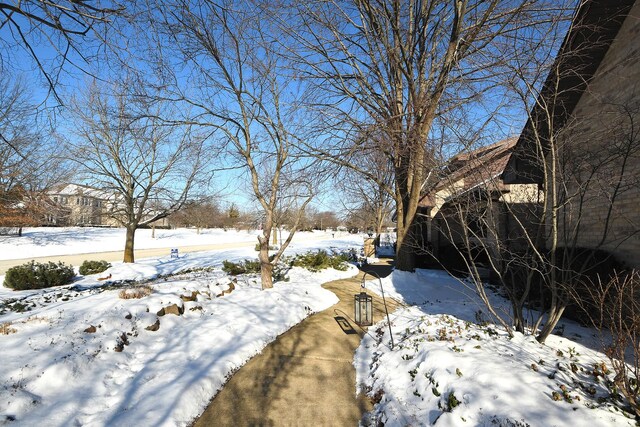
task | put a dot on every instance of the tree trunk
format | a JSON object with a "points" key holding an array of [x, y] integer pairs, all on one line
{"points": [[405, 251], [153, 232], [518, 317], [19, 231], [266, 268], [128, 245], [405, 256], [555, 313]]}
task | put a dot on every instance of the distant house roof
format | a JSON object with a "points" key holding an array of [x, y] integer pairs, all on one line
{"points": [[78, 189], [471, 169], [594, 27]]}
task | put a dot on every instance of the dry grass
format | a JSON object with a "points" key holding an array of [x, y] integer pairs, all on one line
{"points": [[6, 329], [136, 292]]}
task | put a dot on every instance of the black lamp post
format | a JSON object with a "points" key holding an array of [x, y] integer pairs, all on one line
{"points": [[363, 309]]}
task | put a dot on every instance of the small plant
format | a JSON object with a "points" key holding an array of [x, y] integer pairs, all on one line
{"points": [[33, 275], [320, 260], [413, 373], [271, 247], [452, 402], [93, 267], [136, 292], [6, 329], [244, 267]]}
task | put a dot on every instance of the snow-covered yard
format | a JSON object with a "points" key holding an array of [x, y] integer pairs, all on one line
{"points": [[451, 367], [50, 241], [83, 355]]}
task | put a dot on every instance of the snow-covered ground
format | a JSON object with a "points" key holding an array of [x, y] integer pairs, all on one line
{"points": [[83, 355], [450, 367], [50, 241]]}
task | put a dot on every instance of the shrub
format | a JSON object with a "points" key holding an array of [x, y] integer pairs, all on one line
{"points": [[316, 261], [271, 247], [33, 275], [136, 292], [244, 267], [93, 267], [279, 272]]}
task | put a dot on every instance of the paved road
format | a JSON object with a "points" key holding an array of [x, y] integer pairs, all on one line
{"points": [[115, 256]]}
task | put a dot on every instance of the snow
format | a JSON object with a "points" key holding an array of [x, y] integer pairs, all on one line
{"points": [[60, 365], [51, 241], [450, 365], [444, 346]]}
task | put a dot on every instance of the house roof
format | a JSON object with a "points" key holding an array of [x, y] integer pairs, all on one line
{"points": [[78, 189], [594, 27], [467, 170]]}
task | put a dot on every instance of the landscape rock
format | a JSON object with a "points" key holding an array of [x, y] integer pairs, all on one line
{"points": [[154, 327], [91, 330], [171, 309], [231, 288], [192, 297]]}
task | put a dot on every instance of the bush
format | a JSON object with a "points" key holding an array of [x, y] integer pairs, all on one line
{"points": [[136, 292], [279, 272], [35, 275], [316, 261], [93, 267], [271, 247], [245, 267]]}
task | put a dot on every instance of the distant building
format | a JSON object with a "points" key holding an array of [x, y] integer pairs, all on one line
{"points": [[81, 205], [74, 204]]}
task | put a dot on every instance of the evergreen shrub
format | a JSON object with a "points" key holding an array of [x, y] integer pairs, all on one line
{"points": [[34, 275], [316, 261], [93, 267]]}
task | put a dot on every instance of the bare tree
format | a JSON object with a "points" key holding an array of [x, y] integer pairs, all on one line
{"points": [[240, 92], [394, 67], [369, 196], [124, 146], [613, 308], [26, 169], [66, 27], [199, 213]]}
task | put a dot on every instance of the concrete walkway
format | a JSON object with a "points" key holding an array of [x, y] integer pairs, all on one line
{"points": [[305, 377]]}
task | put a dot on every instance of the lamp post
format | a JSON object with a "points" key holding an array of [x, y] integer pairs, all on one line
{"points": [[363, 309]]}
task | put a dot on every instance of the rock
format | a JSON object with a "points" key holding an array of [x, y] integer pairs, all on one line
{"points": [[192, 297], [196, 308], [171, 309], [231, 288], [154, 327], [122, 341], [174, 309], [91, 330], [128, 316]]}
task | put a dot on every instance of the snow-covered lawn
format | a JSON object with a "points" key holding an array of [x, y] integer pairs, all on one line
{"points": [[83, 355], [50, 241], [450, 367]]}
